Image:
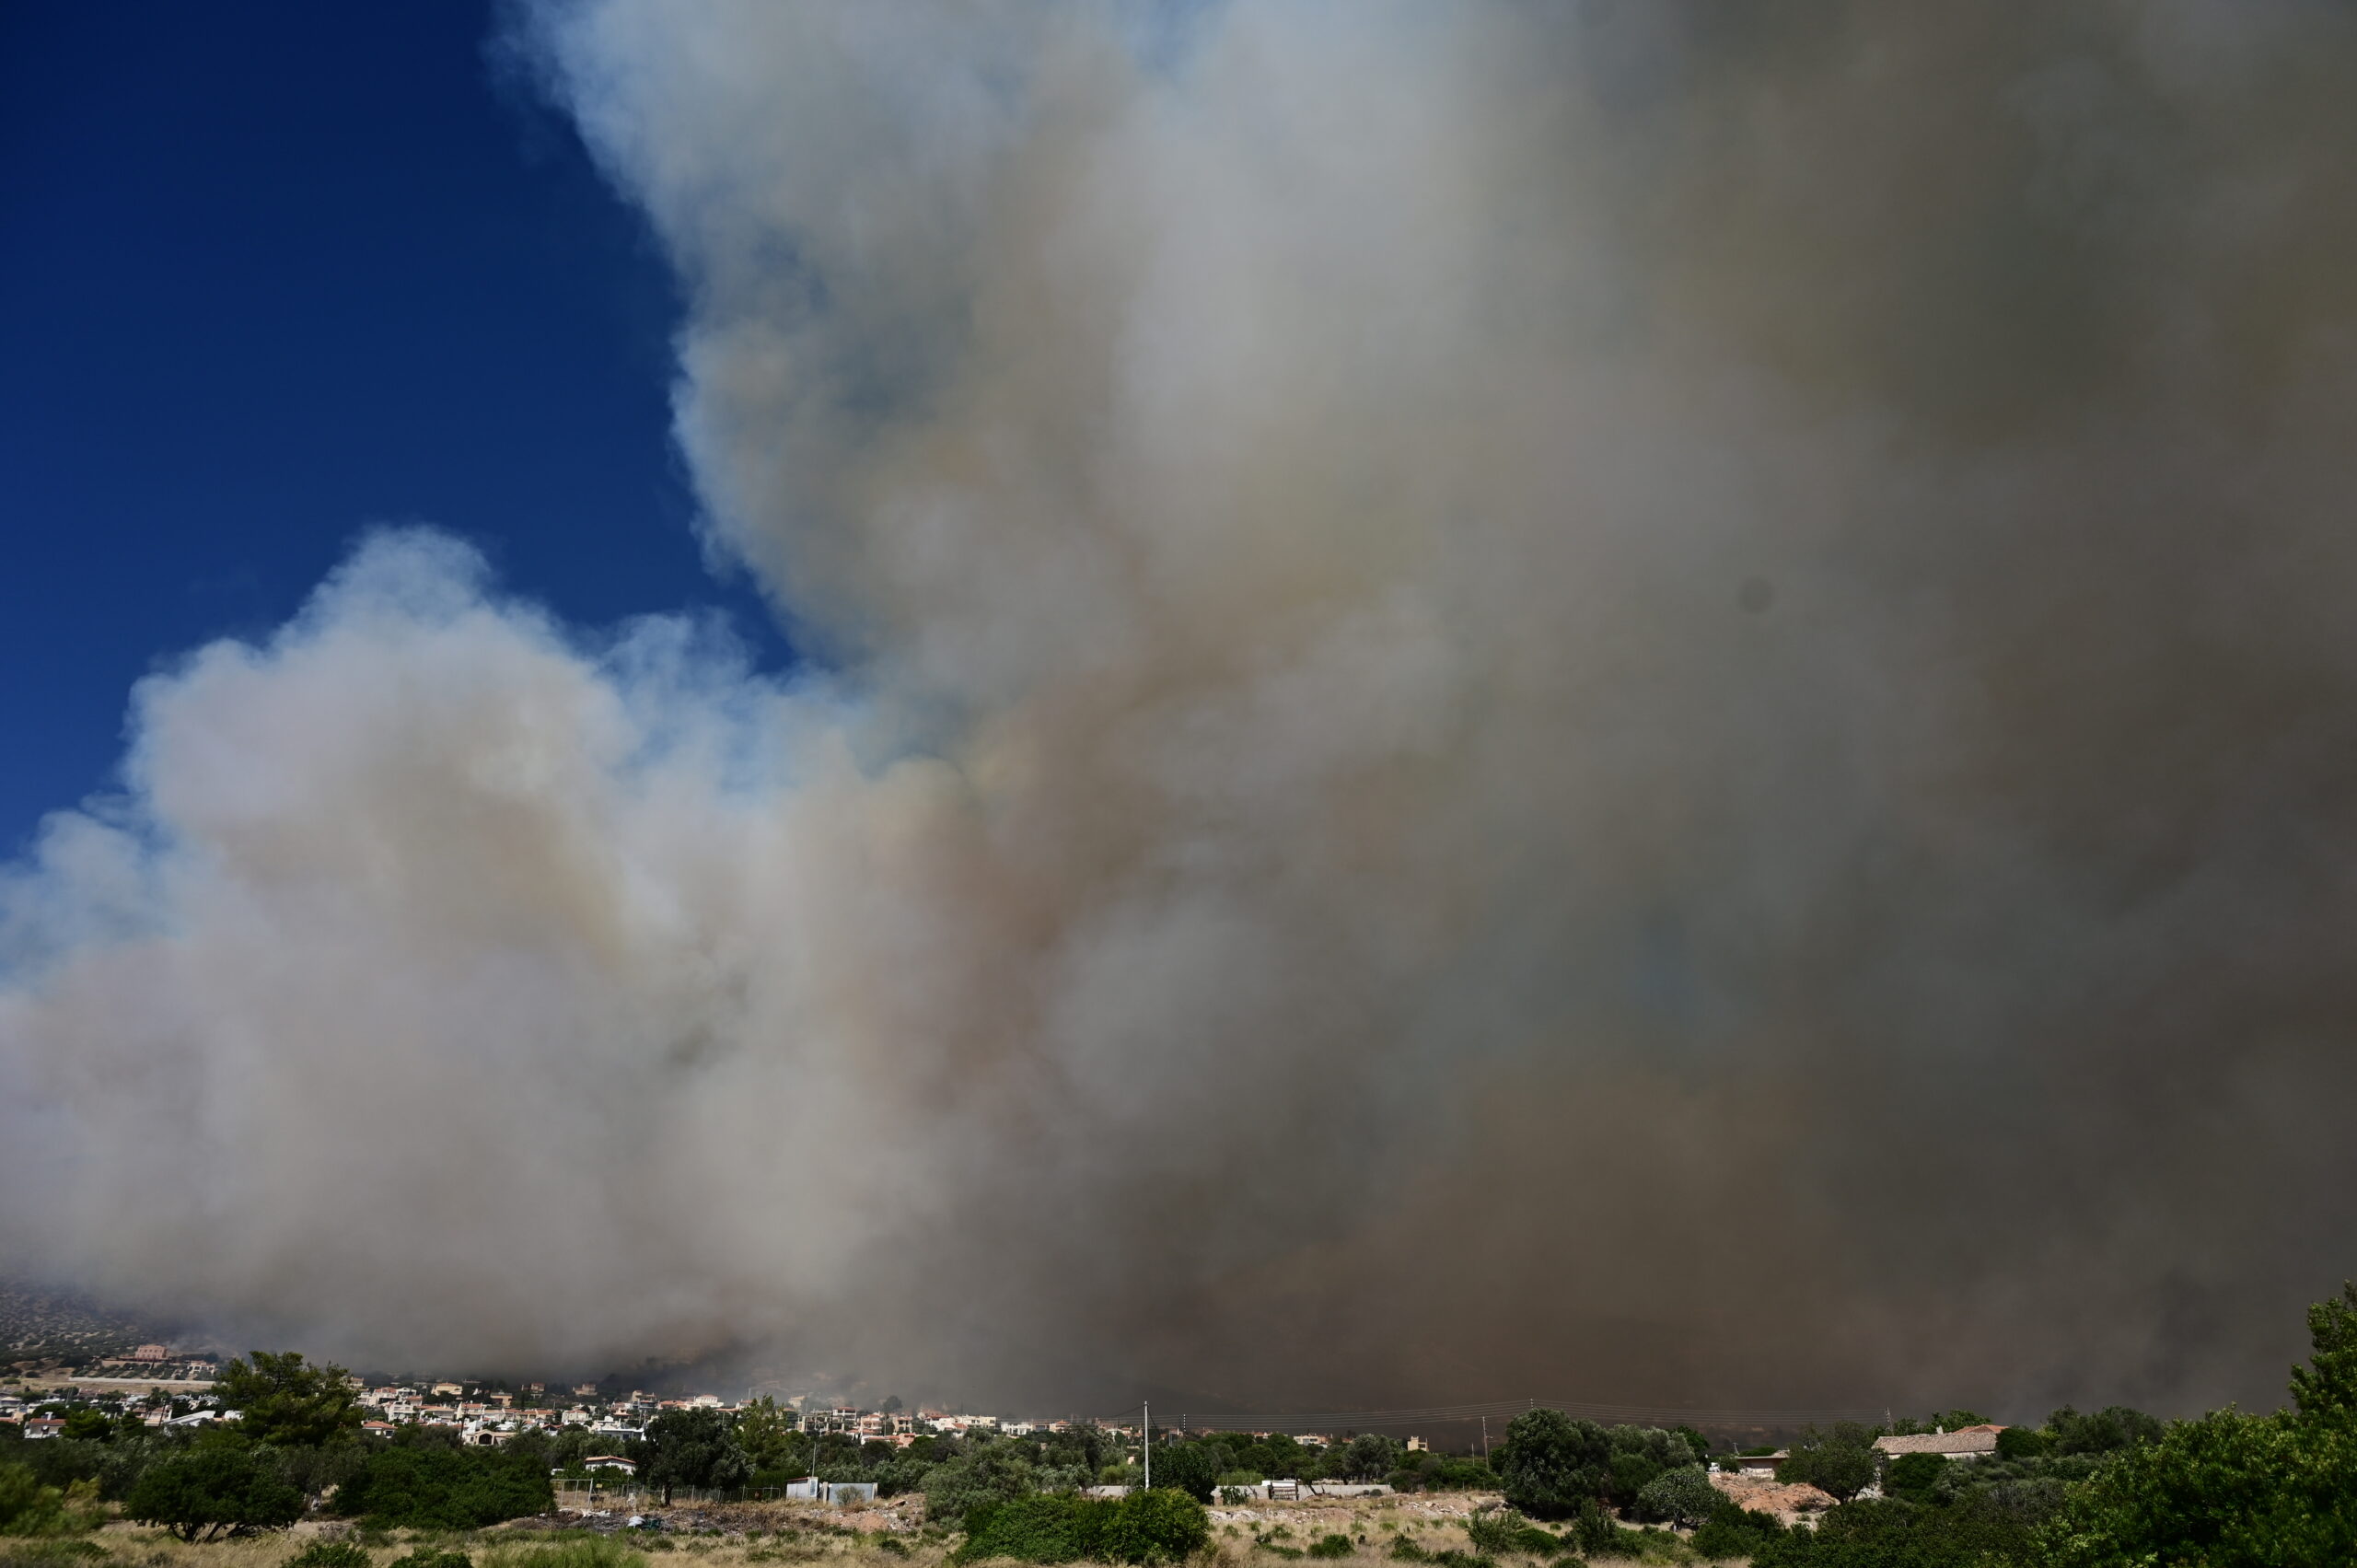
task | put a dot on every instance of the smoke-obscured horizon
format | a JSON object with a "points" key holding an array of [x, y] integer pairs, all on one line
{"points": [[1641, 702]]}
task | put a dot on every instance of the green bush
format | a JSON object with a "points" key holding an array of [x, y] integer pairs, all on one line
{"points": [[1042, 1528], [1161, 1526], [27, 1507], [1538, 1542], [1594, 1535], [2021, 1443], [1874, 1533], [1551, 1463], [2229, 1489], [1331, 1546], [994, 1474], [1732, 1532], [1493, 1530], [1683, 1497], [219, 1489], [328, 1554], [1407, 1551], [1192, 1467], [454, 1489], [1912, 1476]]}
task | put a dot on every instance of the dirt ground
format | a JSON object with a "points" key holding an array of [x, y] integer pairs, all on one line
{"points": [[1790, 1501]]}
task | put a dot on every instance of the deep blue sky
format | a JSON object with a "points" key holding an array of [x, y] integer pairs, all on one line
{"points": [[271, 272]]}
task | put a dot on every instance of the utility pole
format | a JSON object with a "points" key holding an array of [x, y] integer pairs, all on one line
{"points": [[1485, 1439], [1149, 1445]]}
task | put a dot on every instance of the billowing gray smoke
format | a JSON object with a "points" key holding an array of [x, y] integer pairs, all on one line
{"points": [[1632, 700]]}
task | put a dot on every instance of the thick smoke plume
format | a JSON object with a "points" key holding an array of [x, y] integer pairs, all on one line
{"points": [[1632, 701]]}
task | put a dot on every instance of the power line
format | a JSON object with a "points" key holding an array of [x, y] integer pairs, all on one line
{"points": [[1608, 1414]]}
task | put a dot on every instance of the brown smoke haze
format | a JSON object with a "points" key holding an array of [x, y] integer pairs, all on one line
{"points": [[1629, 702]]}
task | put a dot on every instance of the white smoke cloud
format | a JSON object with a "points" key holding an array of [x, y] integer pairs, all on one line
{"points": [[1499, 686]]}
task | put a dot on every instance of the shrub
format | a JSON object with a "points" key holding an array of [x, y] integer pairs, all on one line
{"points": [[1912, 1476], [1407, 1551], [1042, 1528], [454, 1489], [1683, 1497], [2105, 1431], [212, 1490], [2020, 1443], [1160, 1526], [1192, 1467], [27, 1507], [1538, 1542], [1733, 1532], [1551, 1463], [1492, 1529], [1331, 1546], [1594, 1534], [993, 1474], [1841, 1462], [328, 1554]]}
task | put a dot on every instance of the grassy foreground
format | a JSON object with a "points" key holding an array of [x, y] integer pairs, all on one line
{"points": [[751, 1534]]}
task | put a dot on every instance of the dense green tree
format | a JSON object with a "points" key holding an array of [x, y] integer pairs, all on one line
{"points": [[418, 1487], [2235, 1490], [1368, 1456], [1192, 1467], [1551, 1463], [87, 1425], [2105, 1431], [1731, 1531], [2324, 1392], [2021, 1443], [1158, 1527], [1683, 1497], [1840, 1463], [767, 1431], [212, 1490], [694, 1447], [27, 1507], [1888, 1533], [317, 1471], [1038, 1528], [1163, 1525], [1915, 1477], [991, 1473], [280, 1399]]}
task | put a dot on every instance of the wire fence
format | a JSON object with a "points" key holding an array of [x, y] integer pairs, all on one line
{"points": [[580, 1496]]}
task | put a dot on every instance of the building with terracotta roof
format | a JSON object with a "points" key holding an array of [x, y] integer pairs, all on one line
{"points": [[1964, 1442]]}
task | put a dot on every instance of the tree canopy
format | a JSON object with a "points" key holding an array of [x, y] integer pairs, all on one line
{"points": [[216, 1489], [694, 1447], [1551, 1463], [1840, 1463], [2235, 1491], [281, 1400], [412, 1486]]}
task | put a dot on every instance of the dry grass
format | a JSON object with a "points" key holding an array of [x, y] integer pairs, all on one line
{"points": [[766, 1535]]}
